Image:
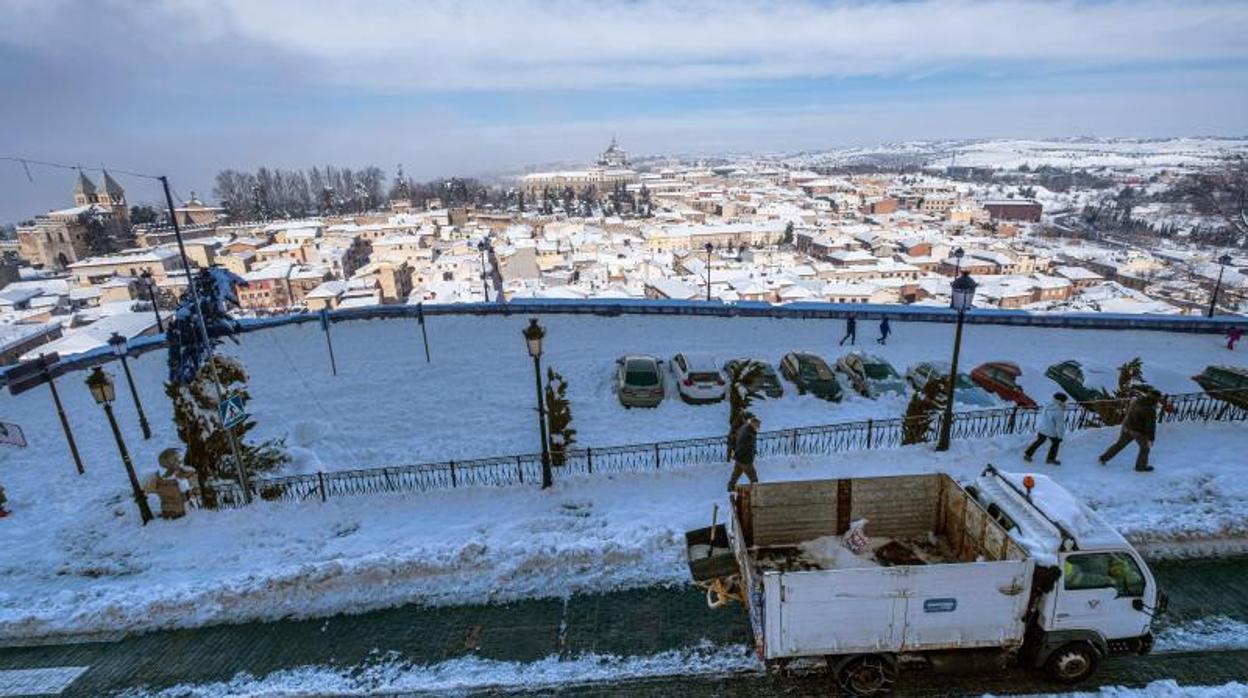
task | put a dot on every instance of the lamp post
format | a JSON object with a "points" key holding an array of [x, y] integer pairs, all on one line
{"points": [[963, 292], [957, 255], [151, 296], [101, 386], [709, 248], [1223, 261], [533, 335], [120, 346], [484, 246]]}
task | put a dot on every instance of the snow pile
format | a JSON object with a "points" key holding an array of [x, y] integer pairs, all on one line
{"points": [[1167, 688], [1203, 634], [1058, 504], [464, 674]]}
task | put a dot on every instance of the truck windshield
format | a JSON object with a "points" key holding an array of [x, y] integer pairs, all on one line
{"points": [[1104, 571]]}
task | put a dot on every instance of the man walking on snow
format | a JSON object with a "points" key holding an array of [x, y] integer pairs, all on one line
{"points": [[1051, 426], [1232, 337], [743, 453], [885, 330], [851, 331], [1140, 426]]}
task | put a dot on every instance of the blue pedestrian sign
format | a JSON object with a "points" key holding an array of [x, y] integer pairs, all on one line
{"points": [[232, 412]]}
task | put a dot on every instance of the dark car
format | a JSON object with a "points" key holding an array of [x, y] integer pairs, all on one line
{"points": [[870, 375], [1001, 379], [767, 382], [639, 381], [1226, 383], [811, 374], [964, 391], [1070, 375]]}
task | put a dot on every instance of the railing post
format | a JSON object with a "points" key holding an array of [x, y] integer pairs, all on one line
{"points": [[520, 469], [793, 444], [320, 481], [453, 483], [870, 428], [656, 456], [1013, 419], [589, 460]]}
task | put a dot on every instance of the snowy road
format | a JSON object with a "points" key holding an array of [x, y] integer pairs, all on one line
{"points": [[655, 641]]}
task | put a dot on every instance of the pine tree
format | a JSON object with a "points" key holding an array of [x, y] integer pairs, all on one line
{"points": [[558, 417], [924, 405], [99, 236], [743, 378]]}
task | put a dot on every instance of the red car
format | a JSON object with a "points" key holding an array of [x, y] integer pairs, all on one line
{"points": [[1001, 378]]}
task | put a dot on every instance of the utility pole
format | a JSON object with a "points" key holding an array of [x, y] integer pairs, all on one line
{"points": [[203, 332]]}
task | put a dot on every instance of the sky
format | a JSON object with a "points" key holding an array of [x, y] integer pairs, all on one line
{"points": [[188, 87]]}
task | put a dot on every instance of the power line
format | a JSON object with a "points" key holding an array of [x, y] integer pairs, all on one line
{"points": [[26, 162]]}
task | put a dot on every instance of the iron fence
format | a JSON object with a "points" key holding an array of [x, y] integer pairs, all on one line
{"points": [[815, 440]]}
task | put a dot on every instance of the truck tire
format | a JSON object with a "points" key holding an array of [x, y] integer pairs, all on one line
{"points": [[867, 675], [1072, 662]]}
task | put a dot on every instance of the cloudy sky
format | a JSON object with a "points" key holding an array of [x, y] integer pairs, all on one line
{"points": [[187, 87]]}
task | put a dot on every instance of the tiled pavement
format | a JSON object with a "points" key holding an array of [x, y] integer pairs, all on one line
{"points": [[639, 623]]}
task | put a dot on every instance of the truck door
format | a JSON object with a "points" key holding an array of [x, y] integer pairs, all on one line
{"points": [[1097, 592]]}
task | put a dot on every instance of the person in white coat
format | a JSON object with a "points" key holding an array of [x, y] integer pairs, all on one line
{"points": [[1051, 427]]}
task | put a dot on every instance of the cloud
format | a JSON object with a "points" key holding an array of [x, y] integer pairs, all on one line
{"points": [[410, 47]]}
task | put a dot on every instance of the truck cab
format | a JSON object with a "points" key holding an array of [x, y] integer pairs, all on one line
{"points": [[1104, 596]]}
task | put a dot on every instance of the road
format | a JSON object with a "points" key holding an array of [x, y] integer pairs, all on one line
{"points": [[639, 623]]}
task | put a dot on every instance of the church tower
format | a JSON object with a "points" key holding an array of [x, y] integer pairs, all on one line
{"points": [[84, 191]]}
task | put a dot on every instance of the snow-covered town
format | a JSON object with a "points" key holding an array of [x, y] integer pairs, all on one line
{"points": [[700, 349]]}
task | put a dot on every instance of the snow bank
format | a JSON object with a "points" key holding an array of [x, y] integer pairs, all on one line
{"points": [[1202, 634], [470, 674], [71, 569], [1168, 688]]}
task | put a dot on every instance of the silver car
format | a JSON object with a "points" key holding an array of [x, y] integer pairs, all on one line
{"points": [[639, 381]]}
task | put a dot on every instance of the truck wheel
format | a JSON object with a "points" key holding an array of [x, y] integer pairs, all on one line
{"points": [[1072, 663], [867, 675]]}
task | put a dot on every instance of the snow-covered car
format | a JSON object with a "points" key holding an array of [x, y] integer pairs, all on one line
{"points": [[1001, 378], [964, 390], [698, 378], [811, 374], [1226, 383], [639, 381], [767, 382], [1082, 385], [870, 375]]}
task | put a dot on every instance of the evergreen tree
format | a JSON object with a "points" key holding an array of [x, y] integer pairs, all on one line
{"points": [[923, 407], [142, 214], [743, 377], [99, 234], [788, 233], [558, 417]]}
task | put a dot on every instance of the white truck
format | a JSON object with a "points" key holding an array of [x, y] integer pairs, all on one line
{"points": [[869, 574]]}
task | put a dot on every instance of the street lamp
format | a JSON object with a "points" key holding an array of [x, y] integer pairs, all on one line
{"points": [[957, 255], [120, 347], [533, 335], [151, 296], [709, 248], [101, 386], [484, 246], [1223, 261], [963, 293]]}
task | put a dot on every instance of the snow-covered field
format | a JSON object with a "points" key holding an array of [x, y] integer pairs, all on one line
{"points": [[75, 559]]}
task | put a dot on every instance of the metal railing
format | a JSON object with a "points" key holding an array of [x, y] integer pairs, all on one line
{"points": [[815, 440]]}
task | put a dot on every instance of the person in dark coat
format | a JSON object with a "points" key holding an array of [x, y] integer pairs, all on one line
{"points": [[1051, 427], [743, 453], [885, 330], [1232, 337], [1140, 426], [851, 331]]}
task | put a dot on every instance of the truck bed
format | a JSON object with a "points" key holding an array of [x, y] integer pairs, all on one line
{"points": [[939, 572]]}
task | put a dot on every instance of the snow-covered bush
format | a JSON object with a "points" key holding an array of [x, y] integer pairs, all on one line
{"points": [[558, 417]]}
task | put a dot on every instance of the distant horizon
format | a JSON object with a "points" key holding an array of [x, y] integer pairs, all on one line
{"points": [[205, 193]]}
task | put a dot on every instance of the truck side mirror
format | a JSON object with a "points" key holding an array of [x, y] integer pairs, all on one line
{"points": [[1137, 604]]}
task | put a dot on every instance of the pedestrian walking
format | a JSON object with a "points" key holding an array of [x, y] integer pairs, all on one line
{"points": [[885, 330], [1233, 336], [1051, 427], [851, 331], [1140, 426], [3, 500], [743, 453]]}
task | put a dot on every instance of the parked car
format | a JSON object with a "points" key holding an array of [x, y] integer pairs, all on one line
{"points": [[1001, 379], [964, 391], [870, 375], [1089, 387], [1226, 383], [767, 382], [698, 379], [639, 381], [811, 374]]}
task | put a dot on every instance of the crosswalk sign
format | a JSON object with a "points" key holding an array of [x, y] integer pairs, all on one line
{"points": [[231, 411]]}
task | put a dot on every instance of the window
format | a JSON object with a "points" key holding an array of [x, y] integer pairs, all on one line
{"points": [[1104, 571]]}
